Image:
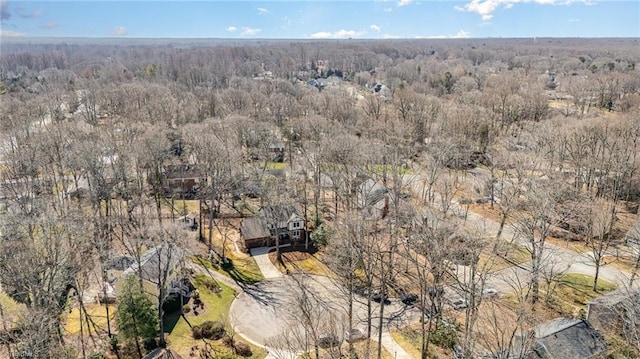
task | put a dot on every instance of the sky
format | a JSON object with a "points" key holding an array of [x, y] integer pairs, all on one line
{"points": [[320, 19]]}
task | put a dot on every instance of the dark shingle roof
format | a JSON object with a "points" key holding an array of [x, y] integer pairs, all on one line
{"points": [[278, 213], [568, 339], [253, 228], [161, 353], [182, 171], [616, 297], [155, 261]]}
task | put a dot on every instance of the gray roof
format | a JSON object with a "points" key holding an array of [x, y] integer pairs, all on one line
{"points": [[568, 339], [182, 171], [278, 213], [257, 227], [253, 228], [615, 297], [155, 261], [634, 231], [370, 192], [162, 353]]}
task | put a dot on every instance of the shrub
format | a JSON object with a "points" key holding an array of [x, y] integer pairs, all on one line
{"points": [[227, 264], [242, 349], [196, 332], [444, 335], [210, 285], [228, 341], [208, 330], [150, 344]]}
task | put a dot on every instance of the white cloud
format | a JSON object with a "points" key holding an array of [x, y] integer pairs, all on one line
{"points": [[486, 8], [249, 31], [341, 34], [232, 28], [375, 27], [404, 2], [461, 35], [389, 36], [9, 33], [118, 31], [262, 11], [388, 9]]}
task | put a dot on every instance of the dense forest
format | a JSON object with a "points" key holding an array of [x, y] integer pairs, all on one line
{"points": [[422, 169]]}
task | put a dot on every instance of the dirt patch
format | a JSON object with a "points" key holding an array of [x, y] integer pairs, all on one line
{"points": [[623, 263], [289, 255]]}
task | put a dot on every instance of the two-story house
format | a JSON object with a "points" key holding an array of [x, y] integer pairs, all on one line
{"points": [[281, 223], [159, 267]]}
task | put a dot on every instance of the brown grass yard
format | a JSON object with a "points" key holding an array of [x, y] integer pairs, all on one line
{"points": [[294, 261]]}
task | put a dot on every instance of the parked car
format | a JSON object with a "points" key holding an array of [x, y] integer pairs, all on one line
{"points": [[408, 298], [458, 352], [355, 335], [328, 340], [460, 304], [379, 297], [489, 293]]}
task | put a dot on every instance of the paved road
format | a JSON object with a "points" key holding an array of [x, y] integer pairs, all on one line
{"points": [[557, 257], [266, 310]]}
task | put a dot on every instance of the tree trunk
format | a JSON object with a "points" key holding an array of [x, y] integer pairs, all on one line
{"points": [[597, 262], [161, 342], [210, 239], [535, 269], [634, 273], [135, 329]]}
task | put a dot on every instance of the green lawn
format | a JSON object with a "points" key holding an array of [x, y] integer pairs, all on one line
{"points": [[571, 294], [216, 308], [244, 270], [577, 289], [410, 339], [98, 315], [410, 346], [380, 169], [276, 165]]}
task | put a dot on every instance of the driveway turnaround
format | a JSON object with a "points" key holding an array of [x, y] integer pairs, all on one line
{"points": [[266, 313]]}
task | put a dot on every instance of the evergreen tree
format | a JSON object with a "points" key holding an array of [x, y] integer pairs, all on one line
{"points": [[135, 316]]}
